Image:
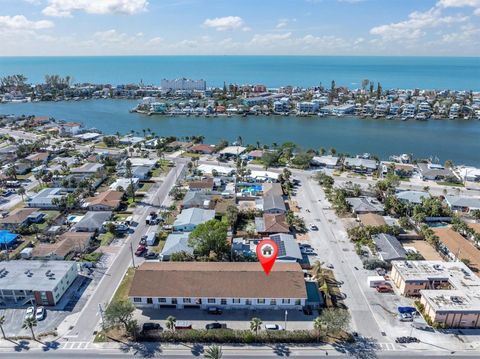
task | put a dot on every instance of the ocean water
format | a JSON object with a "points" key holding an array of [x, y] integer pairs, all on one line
{"points": [[457, 140], [459, 73]]}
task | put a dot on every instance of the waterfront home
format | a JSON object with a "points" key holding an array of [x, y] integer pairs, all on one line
{"points": [[462, 203], [105, 201], [400, 169], [454, 111], [388, 247], [344, 109], [68, 244], [307, 107], [46, 198], [88, 137], [21, 217], [469, 174], [253, 155], [325, 161], [361, 205], [202, 148], [360, 165], [176, 243], [190, 218], [434, 172], [92, 221], [69, 128], [40, 282], [281, 105], [227, 285], [412, 197], [271, 223], [409, 111], [130, 140], [230, 152]]}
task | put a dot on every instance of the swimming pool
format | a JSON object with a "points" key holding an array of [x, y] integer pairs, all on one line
{"points": [[437, 224]]}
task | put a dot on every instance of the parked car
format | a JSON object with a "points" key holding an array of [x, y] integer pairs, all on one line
{"points": [[214, 310], [405, 317], [273, 327], [382, 288], [30, 313], [407, 340], [143, 240], [216, 326], [151, 255], [329, 265], [141, 249], [151, 326], [183, 325], [313, 227], [381, 271], [40, 313]]}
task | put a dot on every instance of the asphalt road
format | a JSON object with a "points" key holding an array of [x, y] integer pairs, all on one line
{"points": [[90, 315]]}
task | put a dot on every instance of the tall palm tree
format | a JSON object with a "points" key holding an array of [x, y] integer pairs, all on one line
{"points": [[2, 322], [318, 271], [170, 323], [317, 327], [213, 352], [30, 323], [256, 325], [21, 191]]}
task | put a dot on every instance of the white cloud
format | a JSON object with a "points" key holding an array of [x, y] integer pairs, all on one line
{"points": [[477, 12], [20, 22], [415, 26], [284, 23], [270, 39], [224, 23], [65, 8], [459, 3]]}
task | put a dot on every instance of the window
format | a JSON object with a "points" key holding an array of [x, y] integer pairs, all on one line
{"points": [[273, 302], [236, 300], [248, 302], [187, 300], [223, 301], [162, 300], [149, 301], [137, 300], [285, 301], [211, 301], [261, 301], [174, 300], [298, 302]]}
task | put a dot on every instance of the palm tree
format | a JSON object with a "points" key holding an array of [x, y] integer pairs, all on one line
{"points": [[318, 271], [317, 327], [30, 323], [2, 322], [213, 352], [170, 323], [21, 191], [256, 325]]}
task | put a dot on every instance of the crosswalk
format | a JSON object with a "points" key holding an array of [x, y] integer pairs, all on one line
{"points": [[75, 345], [386, 346]]}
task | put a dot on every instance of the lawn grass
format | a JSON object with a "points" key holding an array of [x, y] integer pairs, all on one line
{"points": [[39, 187], [26, 240], [146, 186], [124, 287], [256, 162], [160, 243], [452, 184], [106, 238], [49, 215]]}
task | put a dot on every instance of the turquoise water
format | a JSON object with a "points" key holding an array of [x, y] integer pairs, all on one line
{"points": [[392, 72], [457, 140]]}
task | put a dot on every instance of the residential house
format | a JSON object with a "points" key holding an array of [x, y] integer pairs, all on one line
{"points": [[89, 169], [462, 203], [21, 217], [388, 247], [204, 185], [412, 197], [325, 161], [360, 165], [288, 248], [434, 172], [202, 148], [175, 243], [46, 198], [69, 243], [230, 152], [361, 205], [70, 128], [38, 158], [271, 223], [124, 183], [195, 199], [141, 172], [92, 221], [190, 218], [105, 201], [224, 284]]}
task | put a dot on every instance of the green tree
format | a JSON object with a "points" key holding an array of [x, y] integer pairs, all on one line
{"points": [[302, 160], [213, 352], [232, 215], [256, 325], [209, 239], [318, 327], [21, 192], [317, 271], [120, 312], [30, 323], [170, 323], [334, 320]]}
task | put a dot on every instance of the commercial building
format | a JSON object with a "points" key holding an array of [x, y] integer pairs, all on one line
{"points": [[228, 285], [43, 282], [449, 291]]}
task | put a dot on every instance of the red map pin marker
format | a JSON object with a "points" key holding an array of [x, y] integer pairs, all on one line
{"points": [[267, 251]]}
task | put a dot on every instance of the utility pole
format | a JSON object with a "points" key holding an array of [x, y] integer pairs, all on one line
{"points": [[286, 315], [133, 257], [100, 310]]}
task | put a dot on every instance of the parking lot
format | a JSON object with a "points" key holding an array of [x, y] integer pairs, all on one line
{"points": [[235, 319]]}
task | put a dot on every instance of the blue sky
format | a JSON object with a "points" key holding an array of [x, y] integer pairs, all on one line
{"points": [[240, 27]]}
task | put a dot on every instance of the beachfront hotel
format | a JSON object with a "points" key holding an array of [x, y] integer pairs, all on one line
{"points": [[184, 84]]}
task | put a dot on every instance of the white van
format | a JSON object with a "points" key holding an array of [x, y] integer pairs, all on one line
{"points": [[151, 239]]}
